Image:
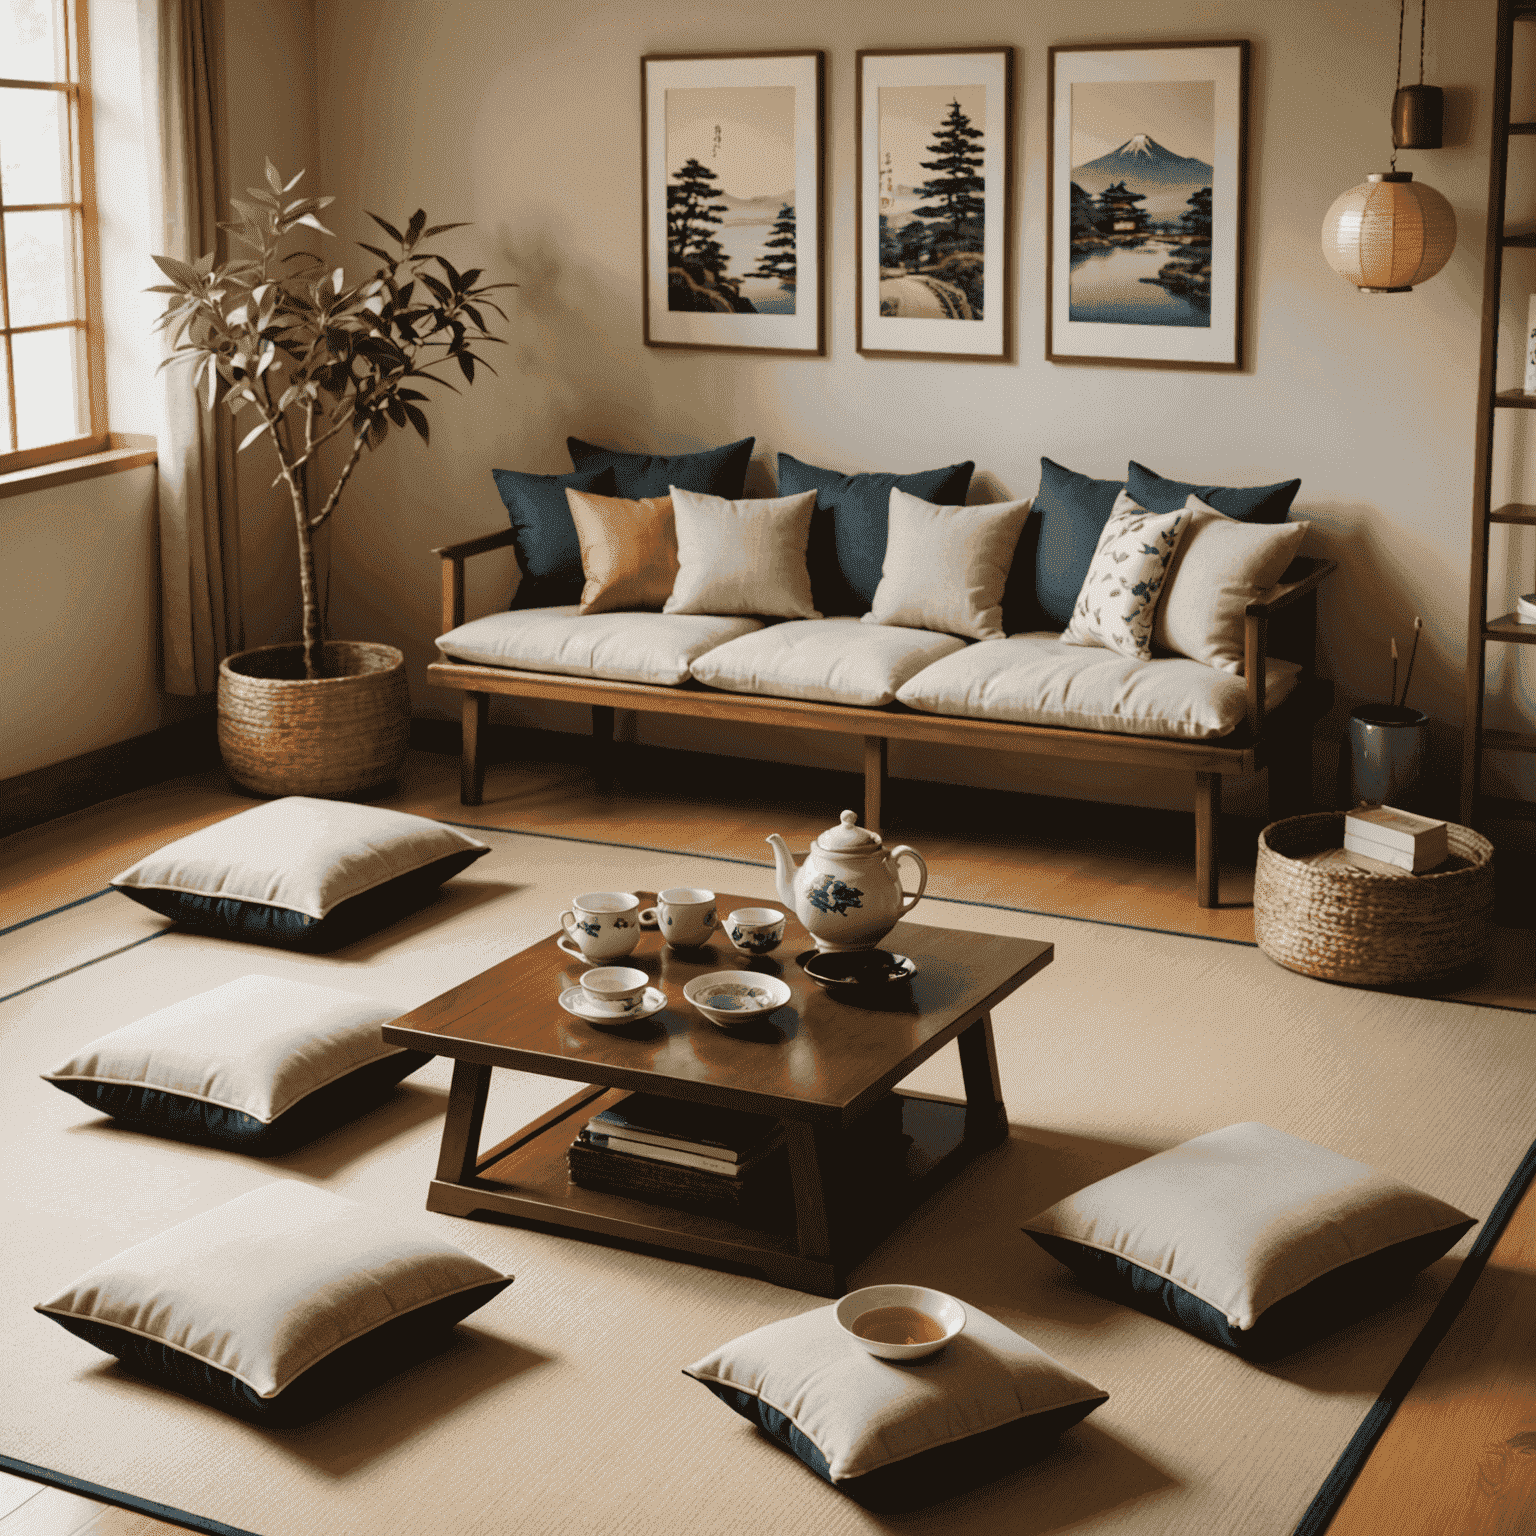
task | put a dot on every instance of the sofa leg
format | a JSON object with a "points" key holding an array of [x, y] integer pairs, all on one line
{"points": [[602, 745], [1207, 840], [476, 715], [875, 749]]}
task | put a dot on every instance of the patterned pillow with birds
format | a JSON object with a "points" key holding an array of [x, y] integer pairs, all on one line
{"points": [[1118, 603]]}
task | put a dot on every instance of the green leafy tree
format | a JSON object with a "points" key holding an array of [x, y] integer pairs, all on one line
{"points": [[956, 208], [778, 258], [693, 216], [286, 337]]}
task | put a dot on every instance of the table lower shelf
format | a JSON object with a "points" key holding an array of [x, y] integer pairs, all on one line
{"points": [[526, 1178]]}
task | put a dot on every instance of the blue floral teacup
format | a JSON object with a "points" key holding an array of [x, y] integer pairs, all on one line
{"points": [[685, 914], [755, 930], [601, 926]]}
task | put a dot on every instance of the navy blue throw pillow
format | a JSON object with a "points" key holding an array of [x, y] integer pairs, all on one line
{"points": [[850, 524], [713, 472], [548, 551], [1070, 511], [1250, 504], [219, 1125]]}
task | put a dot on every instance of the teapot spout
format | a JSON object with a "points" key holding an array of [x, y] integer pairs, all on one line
{"points": [[784, 869]]}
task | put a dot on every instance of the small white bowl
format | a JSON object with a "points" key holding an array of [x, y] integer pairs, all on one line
{"points": [[755, 930], [940, 1308], [620, 987], [729, 998]]}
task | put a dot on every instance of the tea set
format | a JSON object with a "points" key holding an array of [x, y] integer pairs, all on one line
{"points": [[847, 893]]}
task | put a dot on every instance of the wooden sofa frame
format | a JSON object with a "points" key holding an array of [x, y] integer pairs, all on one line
{"points": [[1282, 623]]}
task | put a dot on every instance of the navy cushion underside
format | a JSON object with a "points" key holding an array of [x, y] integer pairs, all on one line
{"points": [[216, 1125], [342, 1375], [929, 1475], [234, 918], [1341, 1296]]}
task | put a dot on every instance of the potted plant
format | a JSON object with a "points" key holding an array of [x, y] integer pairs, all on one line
{"points": [[284, 338]]}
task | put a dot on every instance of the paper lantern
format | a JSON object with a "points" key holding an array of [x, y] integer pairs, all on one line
{"points": [[1389, 233]]}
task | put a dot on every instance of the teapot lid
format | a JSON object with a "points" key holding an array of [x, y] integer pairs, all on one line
{"points": [[848, 836]]}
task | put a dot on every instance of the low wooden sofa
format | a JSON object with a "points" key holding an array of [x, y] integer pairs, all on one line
{"points": [[1282, 624]]}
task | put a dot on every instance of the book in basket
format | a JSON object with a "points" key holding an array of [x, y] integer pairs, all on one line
{"points": [[1411, 842]]}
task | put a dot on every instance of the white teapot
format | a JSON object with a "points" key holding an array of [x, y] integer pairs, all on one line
{"points": [[848, 892]]}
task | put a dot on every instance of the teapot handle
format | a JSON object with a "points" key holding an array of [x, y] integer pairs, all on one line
{"points": [[911, 899]]}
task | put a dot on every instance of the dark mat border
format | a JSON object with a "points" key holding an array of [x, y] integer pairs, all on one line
{"points": [[131, 1501], [1337, 1484]]}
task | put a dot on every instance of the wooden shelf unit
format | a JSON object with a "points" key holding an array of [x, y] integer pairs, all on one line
{"points": [[1483, 631]]}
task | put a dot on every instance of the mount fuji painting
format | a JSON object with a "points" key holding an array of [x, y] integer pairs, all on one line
{"points": [[1142, 181]]}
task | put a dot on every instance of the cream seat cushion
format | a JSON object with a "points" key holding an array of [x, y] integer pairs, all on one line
{"points": [[1036, 679], [621, 647], [835, 661]]}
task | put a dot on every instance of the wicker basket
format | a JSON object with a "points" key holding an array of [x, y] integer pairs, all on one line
{"points": [[1343, 923], [339, 734]]}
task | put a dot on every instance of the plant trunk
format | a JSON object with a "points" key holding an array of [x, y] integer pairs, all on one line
{"points": [[313, 649]]}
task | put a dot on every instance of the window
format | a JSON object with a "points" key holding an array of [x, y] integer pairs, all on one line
{"points": [[50, 377]]}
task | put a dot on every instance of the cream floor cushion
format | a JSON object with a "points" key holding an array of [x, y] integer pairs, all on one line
{"points": [[1035, 679], [621, 647], [835, 661]]}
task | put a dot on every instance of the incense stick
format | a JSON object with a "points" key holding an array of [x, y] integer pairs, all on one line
{"points": [[1392, 694], [1413, 651]]}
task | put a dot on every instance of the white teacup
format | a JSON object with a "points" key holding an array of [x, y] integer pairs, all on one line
{"points": [[620, 988], [685, 914], [601, 926], [755, 930]]}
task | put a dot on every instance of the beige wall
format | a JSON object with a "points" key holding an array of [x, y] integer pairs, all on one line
{"points": [[525, 119]]}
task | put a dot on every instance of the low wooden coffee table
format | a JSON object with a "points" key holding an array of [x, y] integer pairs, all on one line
{"points": [[819, 1064]]}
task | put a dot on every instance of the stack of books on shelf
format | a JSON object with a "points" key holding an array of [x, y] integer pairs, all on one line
{"points": [[1397, 839], [677, 1153]]}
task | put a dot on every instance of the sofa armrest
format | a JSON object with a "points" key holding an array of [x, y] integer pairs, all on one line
{"points": [[453, 557], [1300, 583]]}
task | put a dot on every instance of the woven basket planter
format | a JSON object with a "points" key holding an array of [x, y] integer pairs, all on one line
{"points": [[1341, 923], [340, 734]]}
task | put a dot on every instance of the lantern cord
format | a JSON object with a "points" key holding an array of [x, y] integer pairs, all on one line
{"points": [[1402, 6]]}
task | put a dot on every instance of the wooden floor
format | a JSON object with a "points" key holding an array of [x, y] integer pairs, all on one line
{"points": [[1459, 1457]]}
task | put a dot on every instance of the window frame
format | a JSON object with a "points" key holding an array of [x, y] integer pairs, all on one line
{"points": [[76, 90]]}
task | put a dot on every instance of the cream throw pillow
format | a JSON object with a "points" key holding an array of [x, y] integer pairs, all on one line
{"points": [[628, 551], [1220, 566], [1129, 570], [945, 567], [742, 556]]}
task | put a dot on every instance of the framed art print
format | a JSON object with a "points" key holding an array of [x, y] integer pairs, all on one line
{"points": [[731, 152], [934, 130], [1145, 201]]}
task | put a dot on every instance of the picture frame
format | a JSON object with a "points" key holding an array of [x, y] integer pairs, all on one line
{"points": [[934, 237], [1145, 224], [732, 188]]}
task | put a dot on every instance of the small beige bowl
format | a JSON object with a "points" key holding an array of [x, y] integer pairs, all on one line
{"points": [[729, 998], [940, 1308], [619, 987]]}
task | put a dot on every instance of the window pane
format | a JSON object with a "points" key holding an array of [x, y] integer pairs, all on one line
{"points": [[31, 40], [6, 445], [34, 146], [40, 267], [50, 393]]}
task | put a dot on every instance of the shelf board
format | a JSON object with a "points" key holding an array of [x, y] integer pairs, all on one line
{"points": [[1507, 741], [1497, 808], [1508, 627], [1515, 512], [1516, 398], [1517, 128], [1525, 240]]}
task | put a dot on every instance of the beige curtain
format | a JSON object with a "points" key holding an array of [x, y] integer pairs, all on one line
{"points": [[201, 617]]}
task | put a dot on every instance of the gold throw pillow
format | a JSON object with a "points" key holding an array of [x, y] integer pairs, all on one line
{"points": [[628, 551]]}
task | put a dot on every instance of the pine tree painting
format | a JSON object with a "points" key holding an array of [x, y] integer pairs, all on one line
{"points": [[933, 242], [778, 258]]}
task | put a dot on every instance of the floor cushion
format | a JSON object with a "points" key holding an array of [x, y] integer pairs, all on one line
{"points": [[1249, 1238], [279, 1305], [621, 647], [1036, 679], [302, 873], [898, 1435], [258, 1065], [834, 661]]}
